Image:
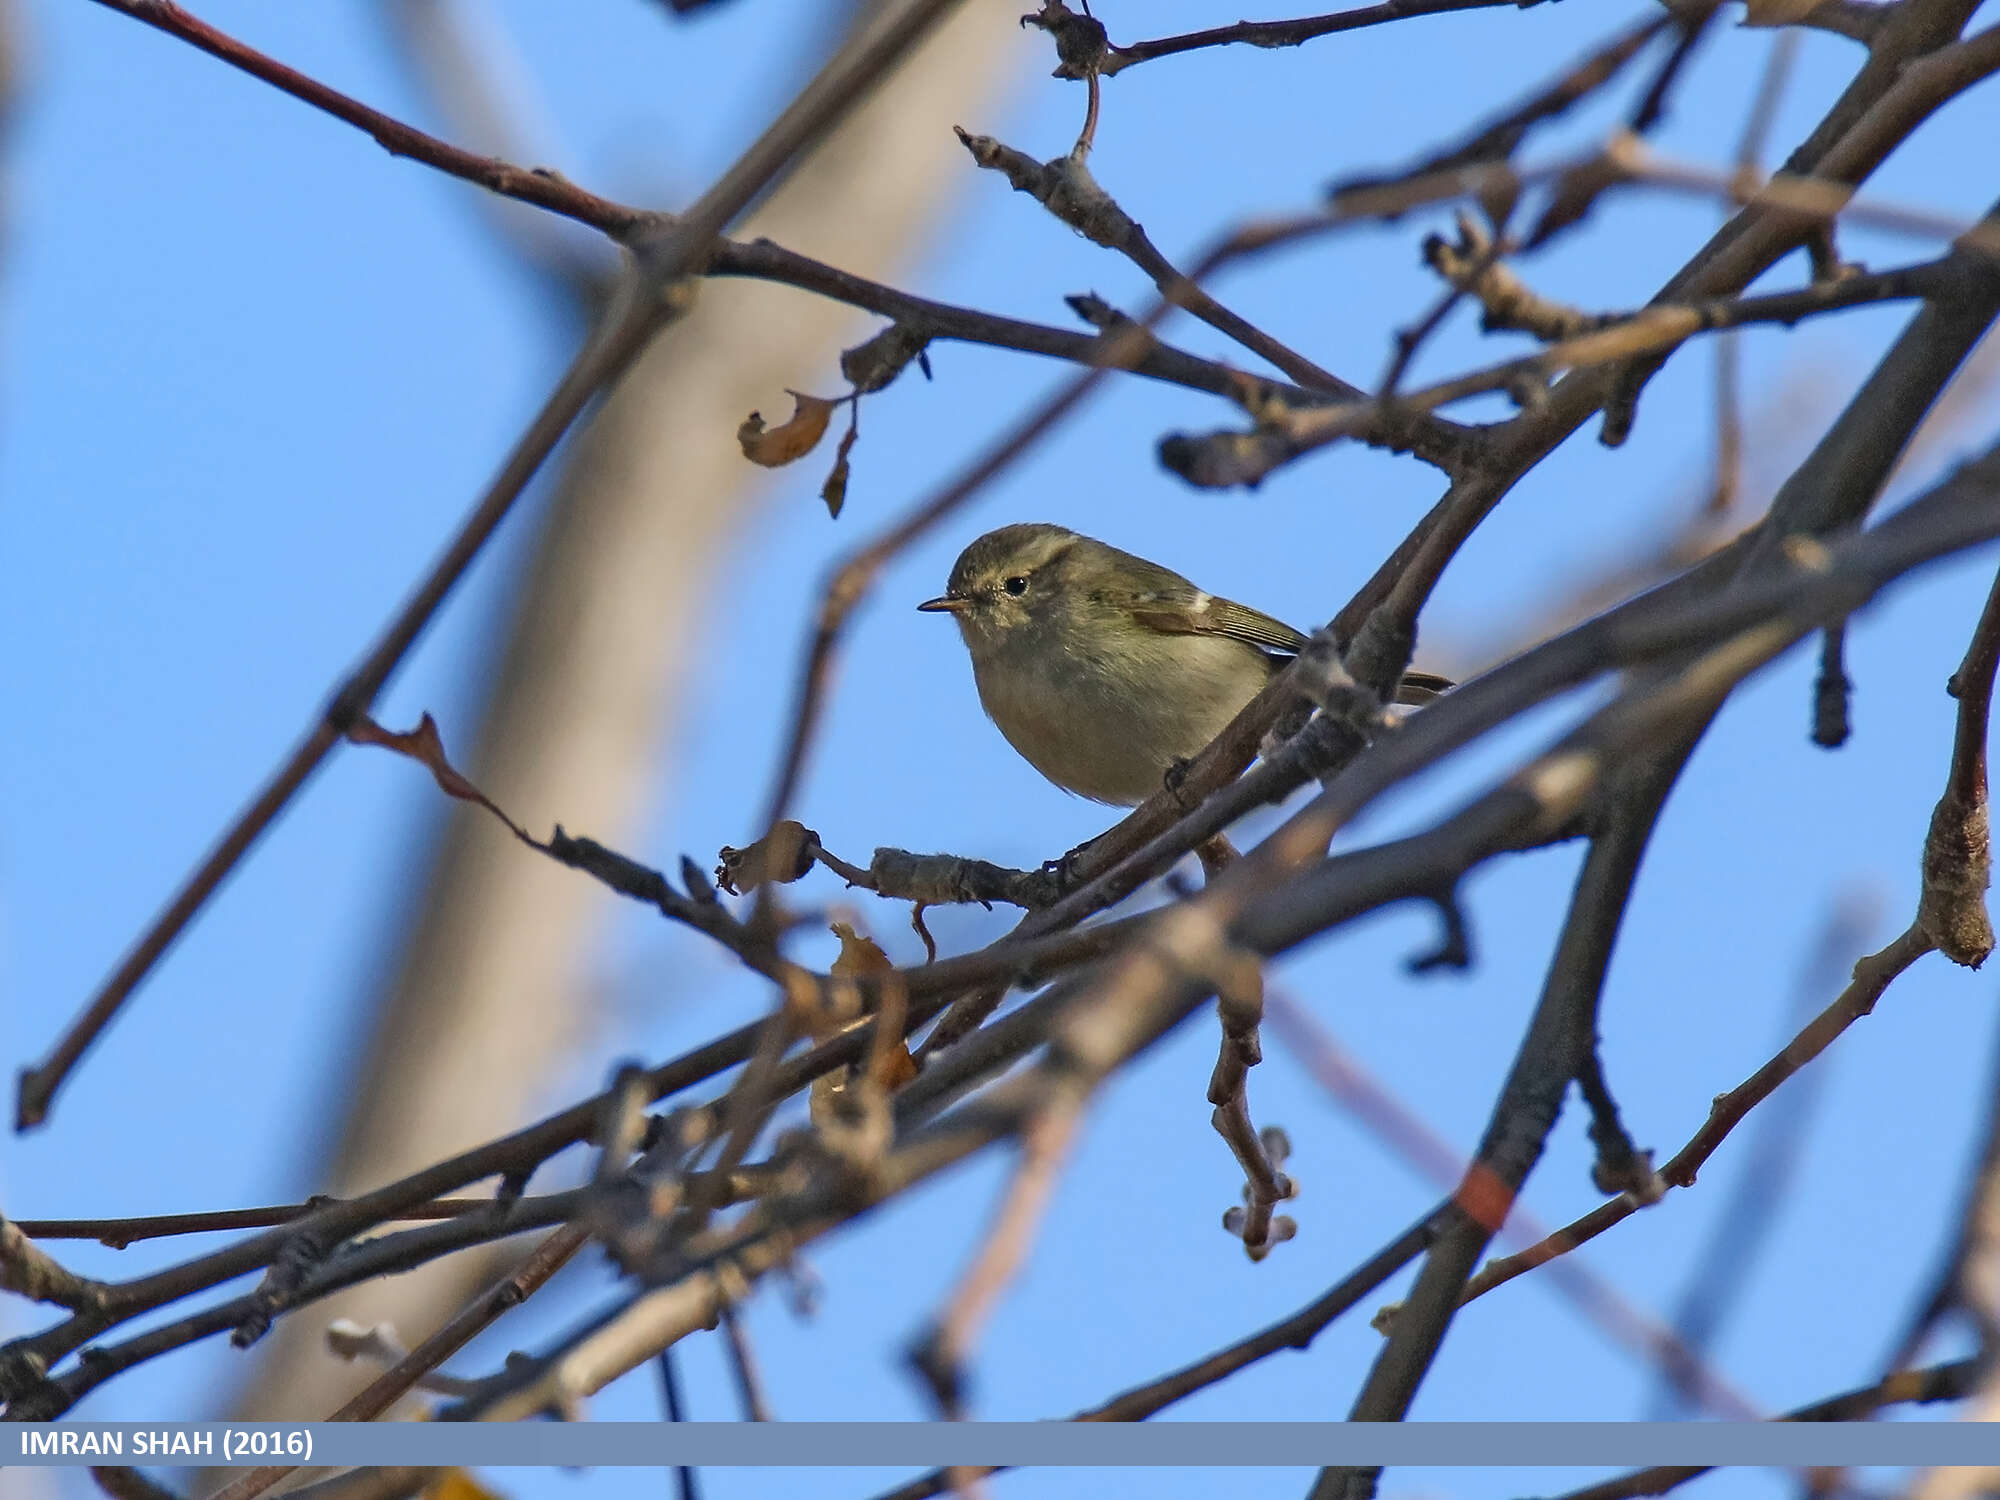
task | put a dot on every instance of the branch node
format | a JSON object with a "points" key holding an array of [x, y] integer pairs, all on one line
{"points": [[1958, 856], [1222, 460], [697, 883], [1472, 264], [21, 1370], [944, 1375], [302, 1254], [955, 880], [1063, 186], [875, 363], [1082, 44], [1620, 1166], [1831, 690], [1957, 869], [29, 1271], [1381, 651], [1454, 949], [1621, 406], [780, 857]]}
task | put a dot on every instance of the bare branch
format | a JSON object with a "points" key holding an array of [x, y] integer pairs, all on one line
{"points": [[1289, 33], [1872, 976], [30, 1272], [119, 1233]]}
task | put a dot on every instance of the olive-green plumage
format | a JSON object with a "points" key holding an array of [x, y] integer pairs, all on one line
{"points": [[1103, 669]]}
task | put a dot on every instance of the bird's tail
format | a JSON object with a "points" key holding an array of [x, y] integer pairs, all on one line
{"points": [[1421, 687]]}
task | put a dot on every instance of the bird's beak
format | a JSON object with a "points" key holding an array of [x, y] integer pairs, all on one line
{"points": [[944, 603]]}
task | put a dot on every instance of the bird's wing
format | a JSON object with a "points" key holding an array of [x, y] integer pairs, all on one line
{"points": [[1171, 605]]}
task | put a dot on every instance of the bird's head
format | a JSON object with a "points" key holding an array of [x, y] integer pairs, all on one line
{"points": [[1008, 581]]}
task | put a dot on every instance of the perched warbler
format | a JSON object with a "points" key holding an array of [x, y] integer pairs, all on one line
{"points": [[1105, 670]]}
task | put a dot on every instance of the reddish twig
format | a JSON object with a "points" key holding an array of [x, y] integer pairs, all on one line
{"points": [[536, 185]]}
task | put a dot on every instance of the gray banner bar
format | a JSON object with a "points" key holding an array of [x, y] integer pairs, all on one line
{"points": [[1001, 1443], [928, 1444]]}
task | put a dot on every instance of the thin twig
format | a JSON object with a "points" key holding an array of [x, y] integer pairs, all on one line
{"points": [[743, 1365], [1872, 975], [1066, 189], [1728, 348], [119, 1233], [1261, 1154], [685, 1484], [1288, 33], [1284, 435], [1547, 1060]]}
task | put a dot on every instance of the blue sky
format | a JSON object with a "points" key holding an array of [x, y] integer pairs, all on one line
{"points": [[254, 370]]}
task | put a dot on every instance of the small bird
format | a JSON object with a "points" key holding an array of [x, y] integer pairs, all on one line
{"points": [[1104, 670]]}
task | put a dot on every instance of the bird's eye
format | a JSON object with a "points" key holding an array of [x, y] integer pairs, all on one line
{"points": [[1016, 585]]}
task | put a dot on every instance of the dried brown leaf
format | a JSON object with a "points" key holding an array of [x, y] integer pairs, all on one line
{"points": [[424, 746], [894, 1068], [776, 446], [834, 491], [859, 956]]}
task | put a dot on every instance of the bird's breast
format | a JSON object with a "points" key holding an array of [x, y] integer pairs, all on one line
{"points": [[1109, 725]]}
